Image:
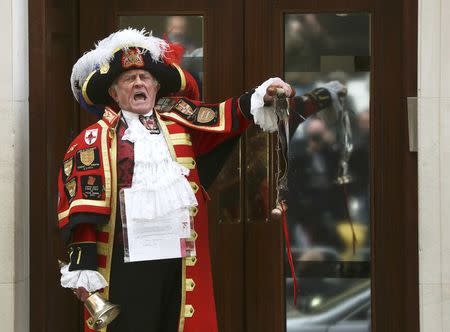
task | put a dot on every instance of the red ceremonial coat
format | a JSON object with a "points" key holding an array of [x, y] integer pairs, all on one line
{"points": [[88, 184]]}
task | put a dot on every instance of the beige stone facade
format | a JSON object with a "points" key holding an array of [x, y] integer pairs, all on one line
{"points": [[14, 167]]}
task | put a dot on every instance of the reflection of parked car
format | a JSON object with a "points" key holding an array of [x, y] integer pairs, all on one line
{"points": [[349, 311]]}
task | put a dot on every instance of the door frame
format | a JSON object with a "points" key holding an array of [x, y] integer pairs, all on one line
{"points": [[395, 286]]}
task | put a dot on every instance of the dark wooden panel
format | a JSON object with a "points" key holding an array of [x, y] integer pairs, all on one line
{"points": [[264, 251], [395, 297], [53, 119], [410, 28]]}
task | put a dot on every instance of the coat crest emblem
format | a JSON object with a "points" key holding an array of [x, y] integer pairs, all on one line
{"points": [[71, 187], [205, 115], [132, 58], [87, 156], [109, 115], [90, 136], [164, 104], [68, 167], [184, 108]]}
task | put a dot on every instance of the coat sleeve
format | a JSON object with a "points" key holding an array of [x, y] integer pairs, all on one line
{"points": [[237, 118], [83, 196], [238, 114]]}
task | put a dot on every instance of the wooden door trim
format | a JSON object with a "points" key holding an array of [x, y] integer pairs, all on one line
{"points": [[395, 299], [52, 28]]}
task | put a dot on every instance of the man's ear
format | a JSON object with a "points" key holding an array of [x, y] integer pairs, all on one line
{"points": [[113, 93]]}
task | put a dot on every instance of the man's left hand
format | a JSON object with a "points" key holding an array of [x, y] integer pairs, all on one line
{"points": [[272, 88]]}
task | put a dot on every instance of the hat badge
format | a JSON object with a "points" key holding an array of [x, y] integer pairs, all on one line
{"points": [[132, 57]]}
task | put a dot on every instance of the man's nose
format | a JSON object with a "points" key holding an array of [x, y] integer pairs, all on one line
{"points": [[138, 81]]}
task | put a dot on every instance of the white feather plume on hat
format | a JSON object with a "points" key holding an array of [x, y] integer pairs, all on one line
{"points": [[104, 53]]}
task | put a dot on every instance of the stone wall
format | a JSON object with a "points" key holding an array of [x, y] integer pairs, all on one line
{"points": [[14, 167], [434, 164]]}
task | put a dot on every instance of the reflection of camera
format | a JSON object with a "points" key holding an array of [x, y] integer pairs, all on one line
{"points": [[316, 138]]}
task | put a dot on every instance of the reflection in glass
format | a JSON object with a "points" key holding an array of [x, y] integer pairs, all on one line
{"points": [[226, 190], [256, 179], [329, 304], [321, 48], [185, 31]]}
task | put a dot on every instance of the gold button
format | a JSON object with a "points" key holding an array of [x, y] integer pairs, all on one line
{"points": [[190, 285], [191, 261], [194, 235], [194, 187], [193, 211], [188, 310]]}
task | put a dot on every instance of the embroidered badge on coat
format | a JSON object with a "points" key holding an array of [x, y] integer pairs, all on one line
{"points": [[67, 168], [184, 108], [205, 115], [109, 115], [71, 188], [164, 105], [90, 136], [92, 186], [88, 159], [132, 58]]}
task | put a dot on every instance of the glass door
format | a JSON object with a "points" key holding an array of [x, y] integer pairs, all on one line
{"points": [[329, 212], [354, 242]]}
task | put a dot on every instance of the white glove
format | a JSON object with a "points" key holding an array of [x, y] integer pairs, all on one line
{"points": [[264, 116], [90, 280]]}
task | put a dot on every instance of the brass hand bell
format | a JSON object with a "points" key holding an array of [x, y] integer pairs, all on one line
{"points": [[102, 312]]}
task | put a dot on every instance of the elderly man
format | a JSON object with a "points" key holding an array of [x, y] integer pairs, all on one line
{"points": [[131, 203]]}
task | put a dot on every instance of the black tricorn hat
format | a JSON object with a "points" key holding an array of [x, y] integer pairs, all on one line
{"points": [[95, 87], [124, 50]]}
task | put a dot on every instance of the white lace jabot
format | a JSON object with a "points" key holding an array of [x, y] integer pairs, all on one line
{"points": [[160, 180]]}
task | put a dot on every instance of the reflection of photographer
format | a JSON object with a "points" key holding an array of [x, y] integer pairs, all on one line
{"points": [[314, 201], [318, 135]]}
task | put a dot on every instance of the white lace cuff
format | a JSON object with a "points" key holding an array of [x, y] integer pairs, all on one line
{"points": [[263, 116], [91, 280]]}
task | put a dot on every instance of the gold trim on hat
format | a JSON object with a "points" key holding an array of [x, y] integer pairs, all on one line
{"points": [[182, 77], [84, 88]]}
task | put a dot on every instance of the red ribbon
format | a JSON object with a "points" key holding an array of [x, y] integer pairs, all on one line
{"points": [[289, 251], [349, 218]]}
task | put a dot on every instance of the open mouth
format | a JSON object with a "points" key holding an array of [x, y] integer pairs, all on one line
{"points": [[140, 96]]}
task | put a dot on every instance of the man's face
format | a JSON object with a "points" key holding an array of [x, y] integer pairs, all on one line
{"points": [[135, 91]]}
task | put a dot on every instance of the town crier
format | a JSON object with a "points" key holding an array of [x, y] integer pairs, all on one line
{"points": [[131, 201]]}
